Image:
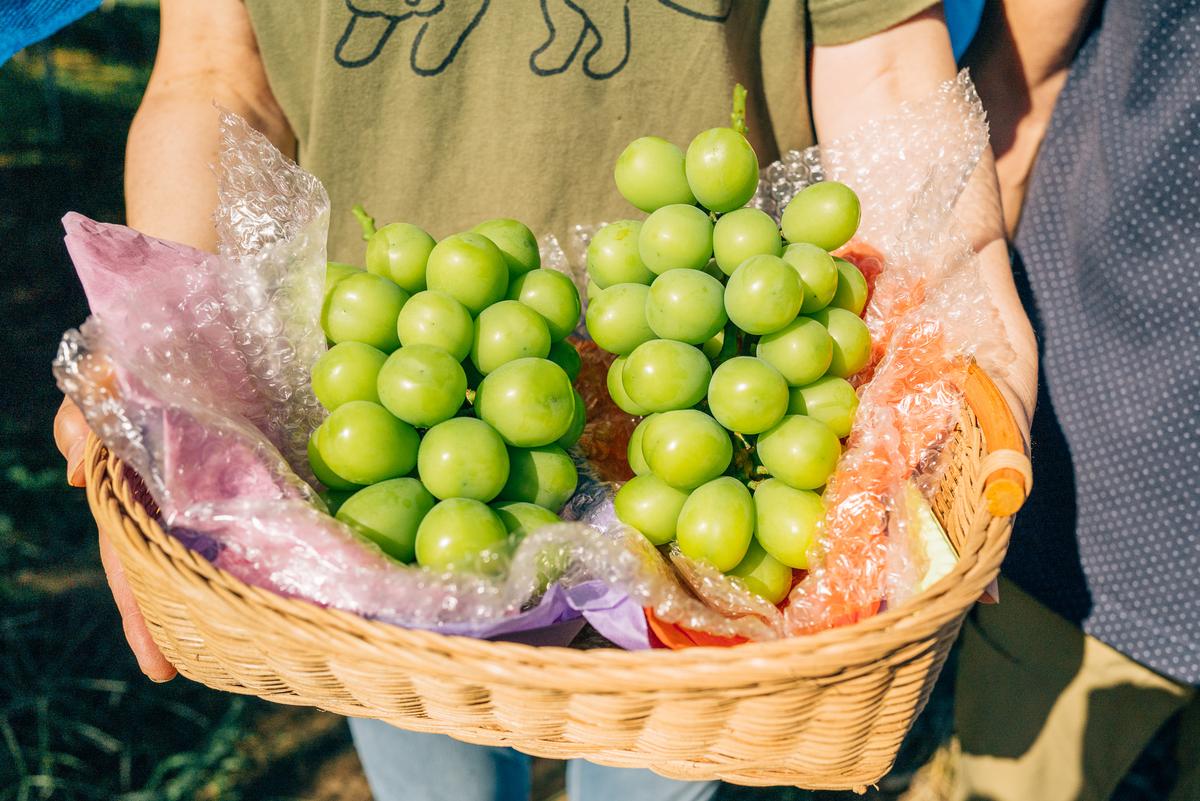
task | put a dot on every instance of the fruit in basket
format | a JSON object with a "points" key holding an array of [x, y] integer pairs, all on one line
{"points": [[763, 574], [741, 234], [851, 292], [650, 505], [825, 214], [388, 514], [787, 521], [616, 318], [686, 305], [456, 531], [763, 295], [676, 237], [686, 448], [722, 169], [565, 355], [801, 351], [363, 443], [545, 476], [463, 458], [716, 523], [506, 331], [578, 422], [399, 252], [799, 451], [334, 272], [348, 371], [747, 395], [650, 174], [469, 268], [435, 318], [662, 375], [613, 258], [422, 385], [830, 399], [321, 470], [363, 308], [552, 295], [529, 401], [516, 242], [521, 518], [737, 363]]}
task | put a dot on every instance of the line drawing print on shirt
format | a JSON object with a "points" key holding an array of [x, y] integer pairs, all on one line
{"points": [[373, 22]]}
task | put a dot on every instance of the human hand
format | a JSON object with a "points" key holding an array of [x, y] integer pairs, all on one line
{"points": [[70, 435]]}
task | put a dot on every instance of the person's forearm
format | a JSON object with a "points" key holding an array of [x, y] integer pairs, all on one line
{"points": [[1019, 60], [207, 55], [874, 77]]}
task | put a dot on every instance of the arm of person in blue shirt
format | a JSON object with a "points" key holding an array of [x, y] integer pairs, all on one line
{"points": [[908, 62]]}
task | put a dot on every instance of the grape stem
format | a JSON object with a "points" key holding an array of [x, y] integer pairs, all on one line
{"points": [[365, 220], [737, 120]]}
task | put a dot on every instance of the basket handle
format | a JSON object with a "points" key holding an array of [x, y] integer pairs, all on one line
{"points": [[1008, 475]]}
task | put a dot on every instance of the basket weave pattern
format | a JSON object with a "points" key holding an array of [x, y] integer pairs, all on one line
{"points": [[827, 711]]}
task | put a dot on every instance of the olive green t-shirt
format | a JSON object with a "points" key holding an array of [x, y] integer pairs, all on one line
{"points": [[444, 113]]}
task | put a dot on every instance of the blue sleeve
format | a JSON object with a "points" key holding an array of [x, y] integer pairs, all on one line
{"points": [[962, 18], [24, 22]]}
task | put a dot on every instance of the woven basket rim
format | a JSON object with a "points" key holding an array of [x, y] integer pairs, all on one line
{"points": [[978, 562]]}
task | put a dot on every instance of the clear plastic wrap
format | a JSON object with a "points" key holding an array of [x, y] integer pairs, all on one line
{"points": [[194, 369]]}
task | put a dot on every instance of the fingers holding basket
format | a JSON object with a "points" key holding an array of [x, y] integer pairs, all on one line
{"points": [[150, 659]]}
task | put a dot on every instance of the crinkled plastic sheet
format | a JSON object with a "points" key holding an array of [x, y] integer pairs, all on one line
{"points": [[194, 370]]}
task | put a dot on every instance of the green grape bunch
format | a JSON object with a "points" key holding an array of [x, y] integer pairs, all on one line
{"points": [[735, 336], [449, 386]]}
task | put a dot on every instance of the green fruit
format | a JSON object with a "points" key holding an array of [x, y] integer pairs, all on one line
{"points": [[388, 514]]}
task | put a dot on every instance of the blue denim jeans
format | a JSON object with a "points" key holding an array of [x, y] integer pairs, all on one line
{"points": [[407, 766]]}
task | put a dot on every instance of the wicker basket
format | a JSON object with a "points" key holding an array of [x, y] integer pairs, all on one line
{"points": [[826, 711]]}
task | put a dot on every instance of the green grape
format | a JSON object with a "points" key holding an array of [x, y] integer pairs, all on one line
{"points": [[551, 294], [649, 174], [651, 506], [686, 305], [613, 258], [470, 269], [578, 421], [529, 401], [741, 234], [545, 476], [388, 514], [763, 574], [616, 318], [506, 331], [435, 318], [661, 375], [456, 532], [521, 518], [716, 523], [463, 458], [616, 389], [564, 354], [831, 400], [399, 252], [788, 521], [799, 451], [363, 308], [851, 340], [851, 292], [334, 498], [347, 372], [335, 271], [722, 169], [686, 448], [422, 385], [516, 242], [362, 442], [676, 237], [747, 395], [763, 295], [801, 351], [593, 290], [321, 470], [817, 272], [633, 451], [824, 214], [712, 347]]}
